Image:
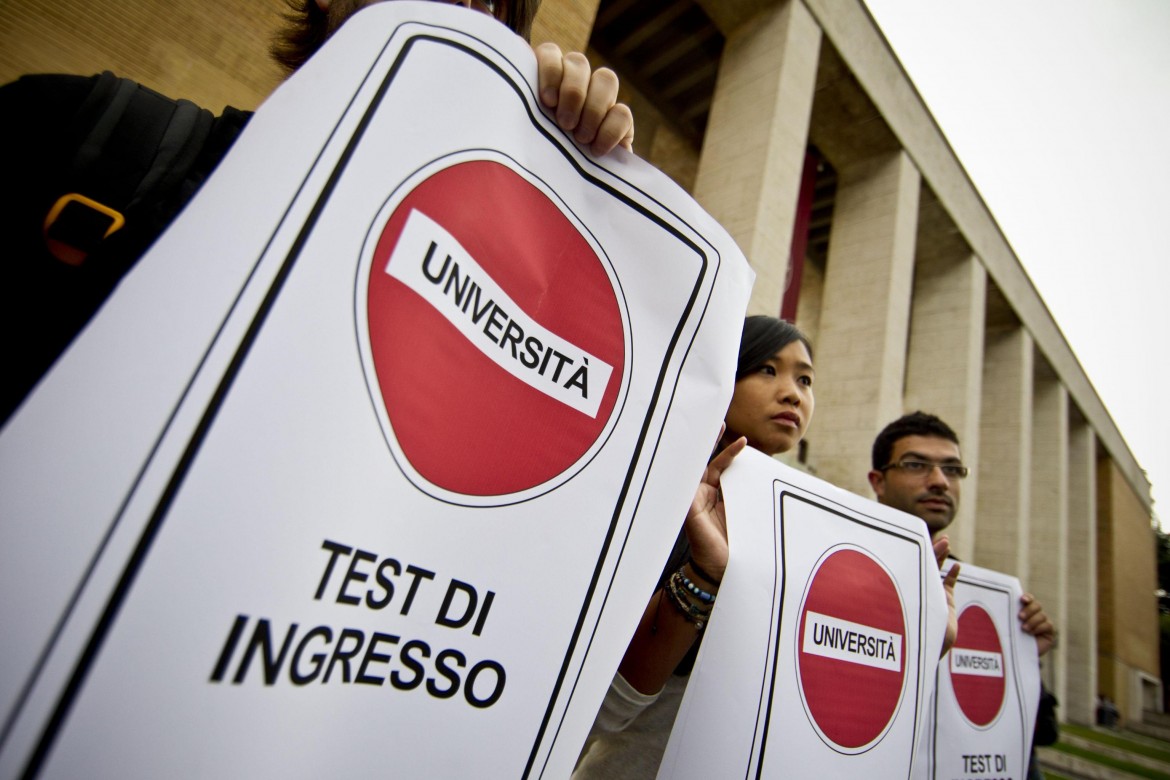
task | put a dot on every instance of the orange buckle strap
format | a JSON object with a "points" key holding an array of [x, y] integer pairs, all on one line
{"points": [[76, 225]]}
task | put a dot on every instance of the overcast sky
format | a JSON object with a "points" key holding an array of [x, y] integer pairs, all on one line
{"points": [[1060, 112]]}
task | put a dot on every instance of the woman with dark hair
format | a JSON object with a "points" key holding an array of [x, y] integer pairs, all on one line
{"points": [[770, 410]]}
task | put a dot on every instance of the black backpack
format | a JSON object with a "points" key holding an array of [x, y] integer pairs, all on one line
{"points": [[129, 159]]}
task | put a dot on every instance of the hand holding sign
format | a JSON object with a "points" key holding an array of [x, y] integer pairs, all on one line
{"points": [[1035, 622], [389, 343], [942, 549], [585, 101], [988, 685], [824, 641], [706, 524]]}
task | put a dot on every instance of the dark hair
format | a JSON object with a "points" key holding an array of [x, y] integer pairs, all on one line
{"points": [[763, 337], [307, 27], [518, 16], [914, 424]]}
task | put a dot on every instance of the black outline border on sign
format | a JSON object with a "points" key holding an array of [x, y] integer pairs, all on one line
{"points": [[768, 683], [1002, 588], [65, 699]]}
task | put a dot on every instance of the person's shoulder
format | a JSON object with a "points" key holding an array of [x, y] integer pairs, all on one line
{"points": [[40, 113], [36, 82], [39, 109], [47, 91]]}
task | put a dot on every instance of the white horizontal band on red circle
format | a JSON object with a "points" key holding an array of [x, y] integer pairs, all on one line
{"points": [[432, 263], [976, 662], [844, 640]]}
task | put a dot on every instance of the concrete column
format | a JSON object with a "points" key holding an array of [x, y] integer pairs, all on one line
{"points": [[1005, 452], [1079, 632], [1048, 522], [865, 316], [944, 364], [812, 295], [753, 150]]}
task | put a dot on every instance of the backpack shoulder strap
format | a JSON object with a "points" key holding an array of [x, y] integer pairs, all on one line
{"points": [[138, 147]]}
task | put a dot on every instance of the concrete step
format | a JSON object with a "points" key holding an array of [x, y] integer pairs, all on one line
{"points": [[1155, 730], [1142, 739], [1079, 768], [1156, 718], [1118, 753]]}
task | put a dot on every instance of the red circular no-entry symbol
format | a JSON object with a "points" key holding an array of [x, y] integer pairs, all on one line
{"points": [[851, 649], [977, 667], [494, 330]]}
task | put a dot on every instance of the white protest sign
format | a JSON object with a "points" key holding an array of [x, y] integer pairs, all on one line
{"points": [[369, 464], [820, 655], [988, 685]]}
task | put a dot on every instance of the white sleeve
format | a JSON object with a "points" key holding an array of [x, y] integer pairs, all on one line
{"points": [[622, 704]]}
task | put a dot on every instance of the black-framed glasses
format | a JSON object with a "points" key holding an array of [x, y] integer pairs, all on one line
{"points": [[921, 468]]}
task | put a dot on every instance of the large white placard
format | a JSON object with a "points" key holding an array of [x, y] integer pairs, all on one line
{"points": [[988, 685], [819, 658], [369, 465]]}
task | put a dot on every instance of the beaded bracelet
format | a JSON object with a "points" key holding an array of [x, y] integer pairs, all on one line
{"points": [[685, 604], [697, 619], [697, 569], [682, 604], [704, 596], [693, 612]]}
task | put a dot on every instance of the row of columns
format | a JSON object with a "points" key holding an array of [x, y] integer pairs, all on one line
{"points": [[901, 329]]}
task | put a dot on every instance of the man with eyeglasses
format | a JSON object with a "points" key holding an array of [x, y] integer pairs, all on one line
{"points": [[918, 468]]}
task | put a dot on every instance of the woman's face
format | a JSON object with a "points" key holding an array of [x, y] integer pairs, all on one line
{"points": [[773, 405]]}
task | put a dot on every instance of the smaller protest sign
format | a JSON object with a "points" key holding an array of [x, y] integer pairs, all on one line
{"points": [[824, 640], [988, 686]]}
